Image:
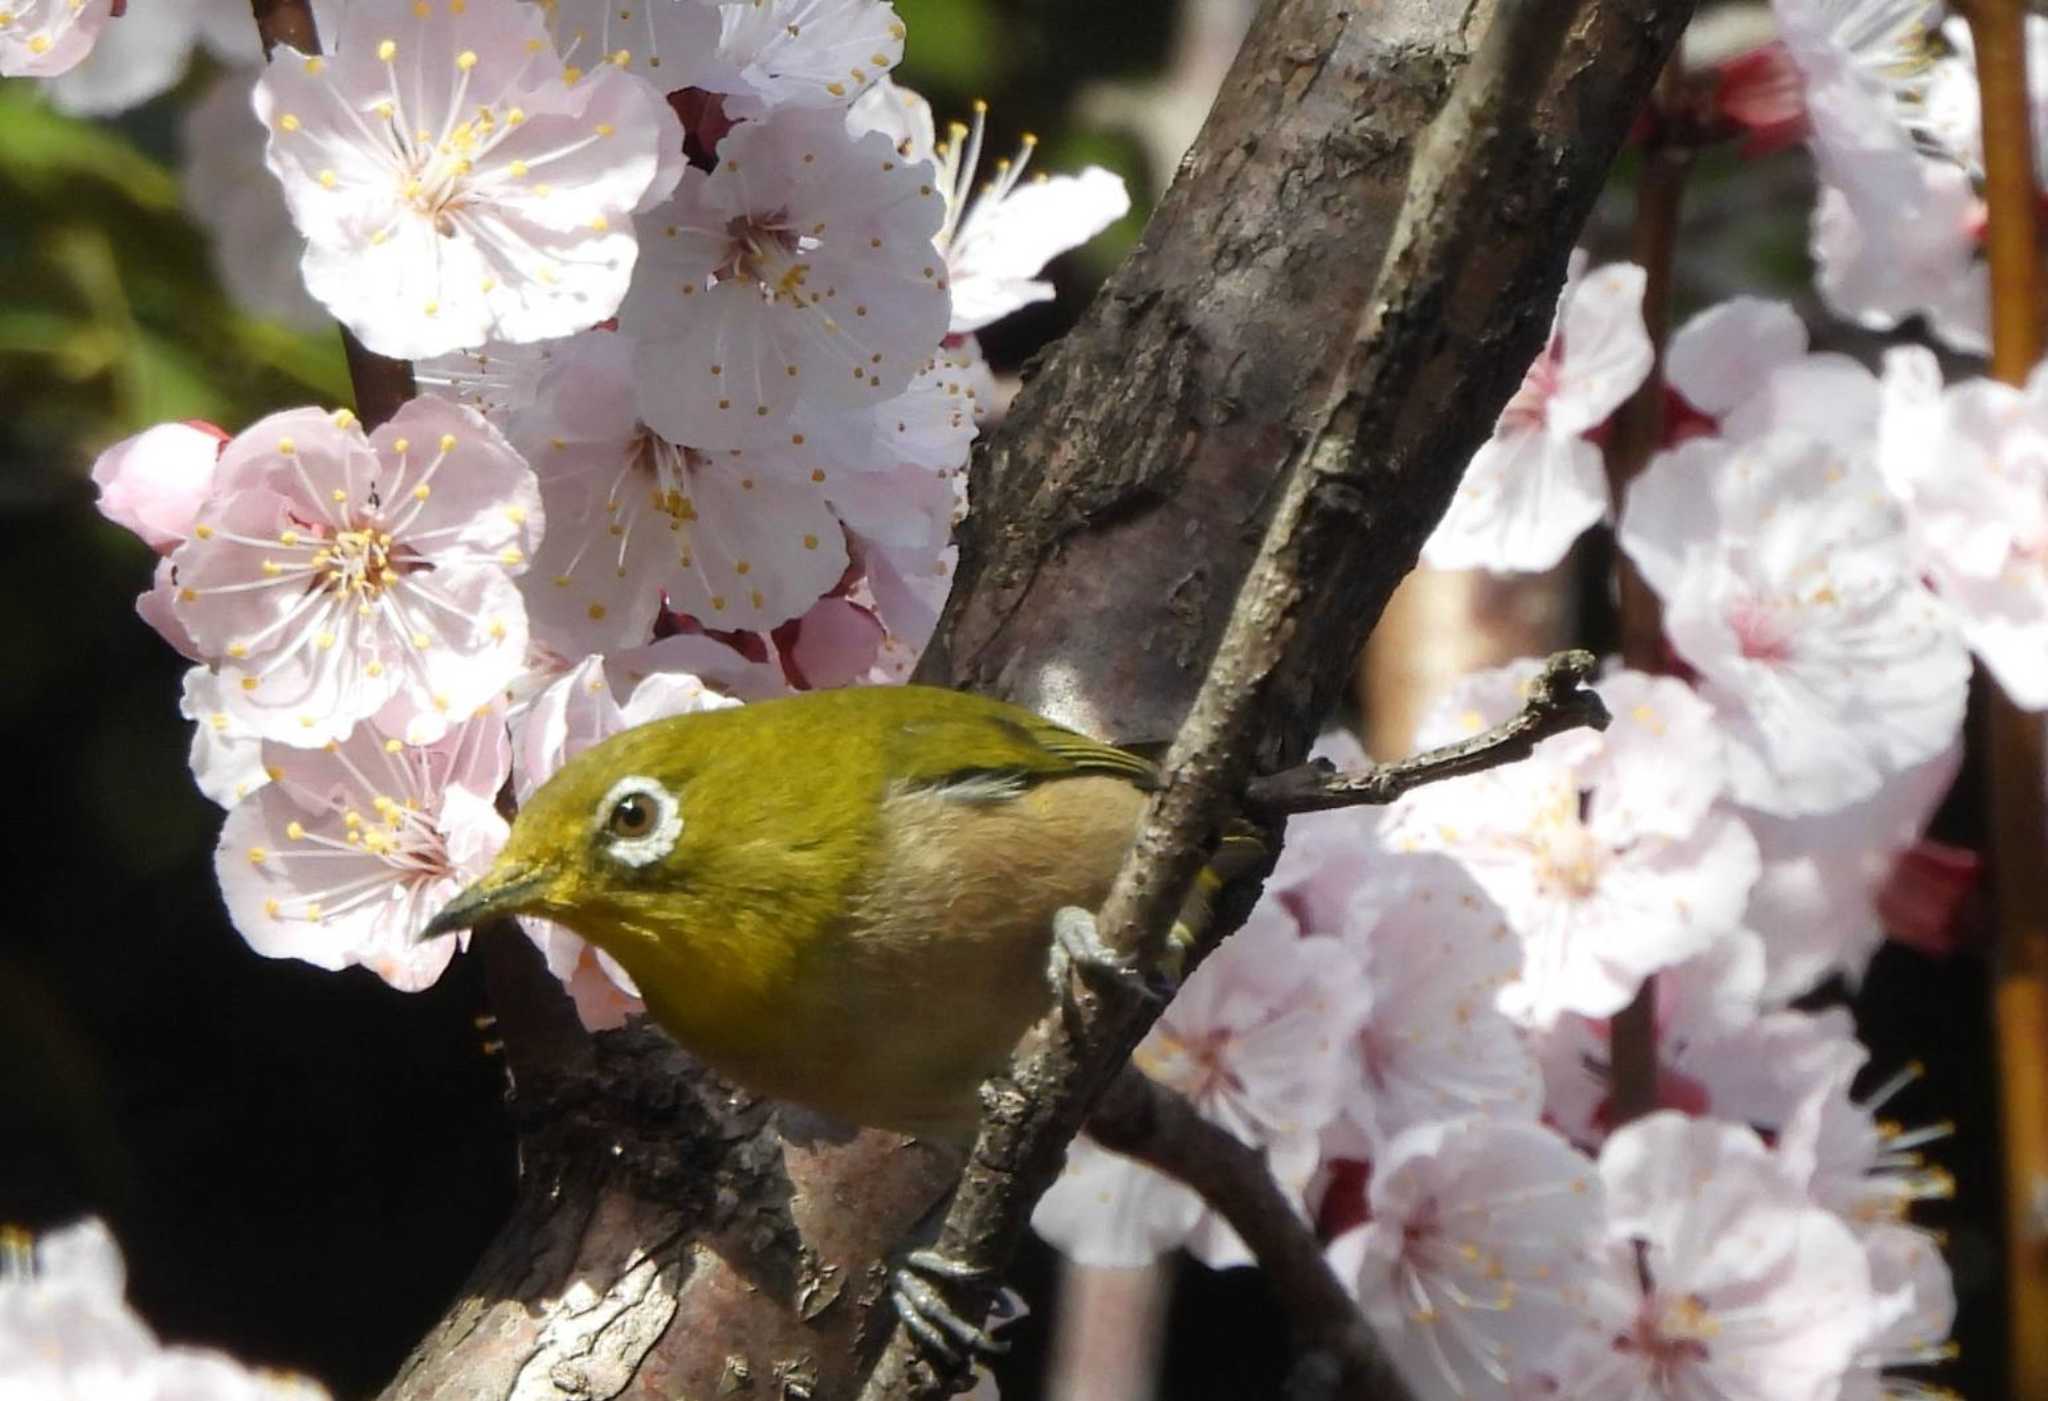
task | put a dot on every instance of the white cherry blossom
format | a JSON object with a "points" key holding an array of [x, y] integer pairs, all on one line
{"points": [[1919, 253], [799, 272], [1255, 1041], [1538, 481], [1718, 1053], [778, 54], [1916, 1311], [155, 482], [996, 239], [226, 755], [1970, 465], [1896, 229], [254, 247], [348, 852], [1718, 1281], [1815, 902], [146, 51], [499, 379], [454, 184], [1743, 363], [738, 538], [1480, 1233], [67, 1334], [1434, 1045], [1605, 852], [667, 43], [332, 573], [43, 38], [1868, 1171], [1786, 584]]}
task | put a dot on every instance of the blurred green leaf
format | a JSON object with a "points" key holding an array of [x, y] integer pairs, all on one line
{"points": [[115, 319], [45, 151], [952, 44]]}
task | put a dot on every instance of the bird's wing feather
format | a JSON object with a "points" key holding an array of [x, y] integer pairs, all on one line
{"points": [[1008, 743]]}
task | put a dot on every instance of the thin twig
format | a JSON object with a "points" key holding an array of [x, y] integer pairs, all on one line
{"points": [[1144, 1120], [2019, 828], [1638, 432], [381, 385], [1559, 700], [1064, 1062]]}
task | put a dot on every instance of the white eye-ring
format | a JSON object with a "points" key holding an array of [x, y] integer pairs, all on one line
{"points": [[641, 818]]}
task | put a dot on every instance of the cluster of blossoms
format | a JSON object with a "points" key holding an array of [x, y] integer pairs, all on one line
{"points": [[692, 292], [1829, 545], [693, 287]]}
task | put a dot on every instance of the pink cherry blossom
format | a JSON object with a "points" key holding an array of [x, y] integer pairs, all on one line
{"points": [[155, 482], [1787, 586], [800, 271], [1718, 1281], [997, 239], [1434, 1045], [1334, 875], [332, 573], [1917, 254], [43, 38], [348, 852], [1860, 57], [1480, 1232], [499, 379], [226, 755], [1916, 1311], [1538, 482], [1254, 1040], [1868, 1171], [1744, 364], [1970, 465], [157, 606], [1718, 1052], [779, 54], [1895, 230], [1605, 852], [667, 43], [738, 538], [1817, 900], [837, 643], [455, 185], [67, 1334]]}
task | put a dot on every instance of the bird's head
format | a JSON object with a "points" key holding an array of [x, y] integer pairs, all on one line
{"points": [[606, 832]]}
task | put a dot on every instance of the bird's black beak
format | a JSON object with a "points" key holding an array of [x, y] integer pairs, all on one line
{"points": [[505, 890]]}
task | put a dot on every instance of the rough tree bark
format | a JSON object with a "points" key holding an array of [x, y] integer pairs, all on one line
{"points": [[675, 1238]]}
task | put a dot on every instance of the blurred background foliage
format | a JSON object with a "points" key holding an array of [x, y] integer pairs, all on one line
{"points": [[302, 1165]]}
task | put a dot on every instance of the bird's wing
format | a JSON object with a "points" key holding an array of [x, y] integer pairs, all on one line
{"points": [[1009, 745]]}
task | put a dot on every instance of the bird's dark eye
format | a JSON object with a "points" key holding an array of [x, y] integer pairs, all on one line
{"points": [[632, 816]]}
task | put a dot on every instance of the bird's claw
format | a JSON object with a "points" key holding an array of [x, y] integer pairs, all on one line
{"points": [[933, 1321], [1077, 946]]}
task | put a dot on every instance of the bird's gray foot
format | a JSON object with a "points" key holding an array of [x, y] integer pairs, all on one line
{"points": [[1077, 947], [949, 1338]]}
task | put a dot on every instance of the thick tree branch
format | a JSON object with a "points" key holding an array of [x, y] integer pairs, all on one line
{"points": [[1558, 700], [1148, 1122], [1309, 564]]}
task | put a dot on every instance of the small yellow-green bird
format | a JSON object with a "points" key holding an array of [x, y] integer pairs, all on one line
{"points": [[845, 899]]}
